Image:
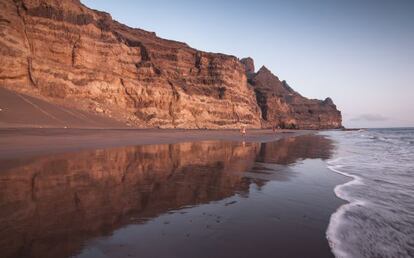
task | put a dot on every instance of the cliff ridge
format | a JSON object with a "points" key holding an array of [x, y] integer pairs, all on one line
{"points": [[68, 54]]}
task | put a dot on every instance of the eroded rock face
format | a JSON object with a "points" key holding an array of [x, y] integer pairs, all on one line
{"points": [[283, 107], [71, 55], [248, 63], [66, 52]]}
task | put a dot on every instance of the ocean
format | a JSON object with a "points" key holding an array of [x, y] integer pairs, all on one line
{"points": [[378, 221]]}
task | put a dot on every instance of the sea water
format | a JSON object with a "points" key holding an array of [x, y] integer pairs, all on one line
{"points": [[379, 219]]}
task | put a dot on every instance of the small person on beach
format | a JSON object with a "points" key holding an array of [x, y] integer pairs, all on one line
{"points": [[243, 131]]}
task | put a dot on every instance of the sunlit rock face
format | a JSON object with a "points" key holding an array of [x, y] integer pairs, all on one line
{"points": [[68, 53], [283, 107]]}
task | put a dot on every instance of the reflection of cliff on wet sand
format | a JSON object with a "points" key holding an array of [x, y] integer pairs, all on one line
{"points": [[273, 158], [50, 206], [289, 150]]}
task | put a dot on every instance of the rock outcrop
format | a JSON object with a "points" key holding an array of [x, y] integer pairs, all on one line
{"points": [[283, 107], [248, 63], [68, 54]]}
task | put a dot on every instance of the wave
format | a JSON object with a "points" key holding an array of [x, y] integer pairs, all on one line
{"points": [[378, 220], [337, 217]]}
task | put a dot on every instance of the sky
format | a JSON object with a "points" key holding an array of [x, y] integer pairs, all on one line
{"points": [[358, 52]]}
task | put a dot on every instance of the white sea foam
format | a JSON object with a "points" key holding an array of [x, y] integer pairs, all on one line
{"points": [[378, 221], [336, 218], [356, 180]]}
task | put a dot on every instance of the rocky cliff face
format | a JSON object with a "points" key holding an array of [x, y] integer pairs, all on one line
{"points": [[283, 107], [68, 54]]}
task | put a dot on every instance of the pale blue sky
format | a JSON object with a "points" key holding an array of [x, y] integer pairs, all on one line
{"points": [[359, 52]]}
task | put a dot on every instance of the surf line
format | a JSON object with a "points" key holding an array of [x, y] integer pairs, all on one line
{"points": [[335, 220]]}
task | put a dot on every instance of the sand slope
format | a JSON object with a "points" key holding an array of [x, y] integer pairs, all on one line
{"points": [[19, 110]]}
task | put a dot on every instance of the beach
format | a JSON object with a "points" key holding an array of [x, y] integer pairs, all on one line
{"points": [[206, 129], [165, 193], [20, 142]]}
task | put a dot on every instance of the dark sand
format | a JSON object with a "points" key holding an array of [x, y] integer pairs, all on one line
{"points": [[22, 142], [31, 126], [220, 198], [20, 110]]}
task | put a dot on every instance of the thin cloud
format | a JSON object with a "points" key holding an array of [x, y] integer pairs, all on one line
{"points": [[370, 118]]}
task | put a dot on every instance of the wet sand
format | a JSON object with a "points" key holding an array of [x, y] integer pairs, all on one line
{"points": [[23, 142], [220, 198]]}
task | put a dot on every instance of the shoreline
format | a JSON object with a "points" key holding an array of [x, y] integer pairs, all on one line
{"points": [[29, 142], [204, 194], [337, 217]]}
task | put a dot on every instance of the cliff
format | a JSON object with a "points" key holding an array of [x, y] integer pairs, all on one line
{"points": [[283, 107], [70, 55]]}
